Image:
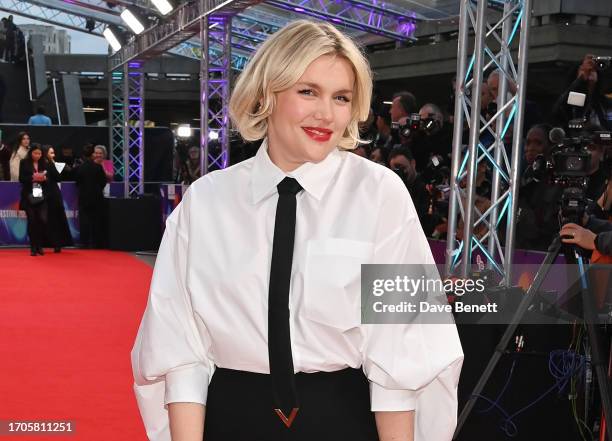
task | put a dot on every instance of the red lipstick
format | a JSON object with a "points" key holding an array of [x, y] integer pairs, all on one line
{"points": [[318, 134]]}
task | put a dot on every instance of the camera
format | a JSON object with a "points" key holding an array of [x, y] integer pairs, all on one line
{"points": [[603, 62], [415, 124], [569, 166]]}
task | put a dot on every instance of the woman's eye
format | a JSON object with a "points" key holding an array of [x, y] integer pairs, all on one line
{"points": [[306, 92], [343, 98]]}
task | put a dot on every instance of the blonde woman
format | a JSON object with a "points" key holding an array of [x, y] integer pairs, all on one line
{"points": [[252, 329]]}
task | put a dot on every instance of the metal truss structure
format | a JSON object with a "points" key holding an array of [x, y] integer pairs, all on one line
{"points": [[70, 20], [133, 126], [223, 45], [116, 121], [355, 14], [492, 42], [214, 93]]}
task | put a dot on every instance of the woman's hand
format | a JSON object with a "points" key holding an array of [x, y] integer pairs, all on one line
{"points": [[395, 426], [39, 177], [575, 234]]}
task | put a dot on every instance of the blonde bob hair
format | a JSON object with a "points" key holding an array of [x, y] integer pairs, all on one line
{"points": [[280, 62]]}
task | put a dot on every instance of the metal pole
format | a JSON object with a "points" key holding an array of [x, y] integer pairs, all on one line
{"points": [[126, 134], [27, 57], [474, 136], [59, 117], [517, 137], [204, 76], [499, 142], [457, 133]]}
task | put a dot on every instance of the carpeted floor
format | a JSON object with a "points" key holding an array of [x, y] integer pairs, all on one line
{"points": [[67, 325]]}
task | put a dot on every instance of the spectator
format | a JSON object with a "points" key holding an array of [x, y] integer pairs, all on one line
{"points": [[402, 162], [361, 150], [11, 34], [40, 119], [367, 128], [32, 175], [191, 167], [383, 128], [5, 160], [58, 231], [379, 155], [20, 150], [99, 157], [532, 111], [91, 180]]}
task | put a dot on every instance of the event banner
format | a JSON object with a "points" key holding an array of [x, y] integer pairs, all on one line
{"points": [[13, 224]]}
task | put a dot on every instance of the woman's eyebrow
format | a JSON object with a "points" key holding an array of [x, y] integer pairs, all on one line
{"points": [[318, 87]]}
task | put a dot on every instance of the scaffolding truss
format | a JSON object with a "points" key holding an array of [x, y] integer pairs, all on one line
{"points": [[215, 75], [116, 122], [491, 50], [367, 16], [133, 125], [69, 20]]}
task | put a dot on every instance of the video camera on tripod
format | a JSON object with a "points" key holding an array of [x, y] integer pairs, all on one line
{"points": [[569, 165]]}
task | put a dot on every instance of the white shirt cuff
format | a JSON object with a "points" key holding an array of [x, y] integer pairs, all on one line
{"points": [[187, 385], [388, 400]]}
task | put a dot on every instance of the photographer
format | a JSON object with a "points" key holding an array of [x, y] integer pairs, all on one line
{"points": [[403, 105], [597, 106], [432, 138], [537, 217]]}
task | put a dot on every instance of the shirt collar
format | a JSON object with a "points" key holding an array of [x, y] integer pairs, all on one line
{"points": [[313, 177]]}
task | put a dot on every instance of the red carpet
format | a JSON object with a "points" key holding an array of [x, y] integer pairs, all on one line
{"points": [[67, 325]]}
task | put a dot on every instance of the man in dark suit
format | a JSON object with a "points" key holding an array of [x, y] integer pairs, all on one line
{"points": [[91, 180]]}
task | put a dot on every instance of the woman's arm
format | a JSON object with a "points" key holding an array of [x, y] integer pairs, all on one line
{"points": [[186, 421], [395, 426]]}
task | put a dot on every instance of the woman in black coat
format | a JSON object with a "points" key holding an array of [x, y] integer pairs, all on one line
{"points": [[33, 178], [58, 231]]}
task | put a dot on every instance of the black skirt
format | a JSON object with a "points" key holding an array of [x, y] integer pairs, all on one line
{"points": [[334, 406]]}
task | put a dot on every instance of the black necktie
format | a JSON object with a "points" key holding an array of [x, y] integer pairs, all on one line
{"points": [[279, 341]]}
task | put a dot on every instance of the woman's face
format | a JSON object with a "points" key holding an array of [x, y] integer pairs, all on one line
{"points": [[51, 154], [36, 155], [98, 155], [25, 141], [310, 117]]}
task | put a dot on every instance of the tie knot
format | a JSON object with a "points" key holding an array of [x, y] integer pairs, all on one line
{"points": [[289, 186]]}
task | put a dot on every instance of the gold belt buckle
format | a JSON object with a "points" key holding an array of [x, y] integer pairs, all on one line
{"points": [[283, 417]]}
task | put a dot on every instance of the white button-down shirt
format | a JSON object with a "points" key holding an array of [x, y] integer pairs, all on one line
{"points": [[208, 299]]}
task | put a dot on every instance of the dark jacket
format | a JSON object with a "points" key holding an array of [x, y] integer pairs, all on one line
{"points": [[90, 180], [26, 171], [57, 224]]}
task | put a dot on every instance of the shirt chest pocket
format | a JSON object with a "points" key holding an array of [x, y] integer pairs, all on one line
{"points": [[332, 281]]}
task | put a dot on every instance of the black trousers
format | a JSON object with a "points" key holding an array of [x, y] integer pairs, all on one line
{"points": [[92, 224], [334, 406], [37, 221]]}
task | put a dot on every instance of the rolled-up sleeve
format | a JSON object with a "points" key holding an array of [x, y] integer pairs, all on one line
{"points": [[169, 357], [412, 366]]}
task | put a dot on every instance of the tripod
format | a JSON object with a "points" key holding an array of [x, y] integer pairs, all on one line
{"points": [[593, 335]]}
